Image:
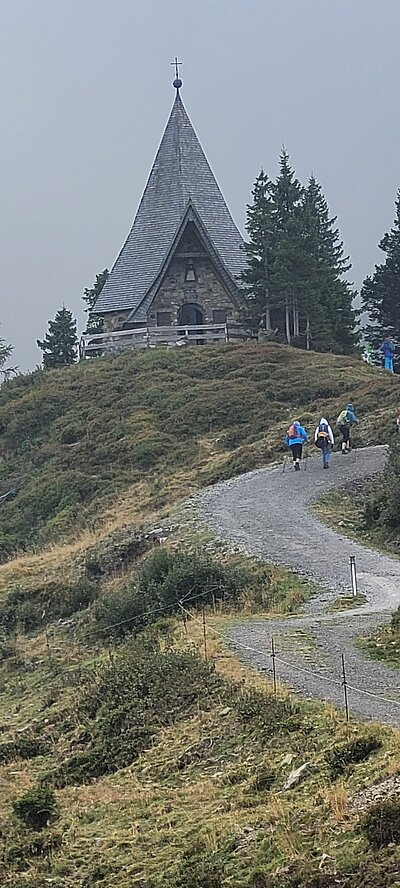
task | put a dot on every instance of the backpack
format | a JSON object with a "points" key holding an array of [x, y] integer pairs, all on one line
{"points": [[323, 431], [342, 418], [293, 432]]}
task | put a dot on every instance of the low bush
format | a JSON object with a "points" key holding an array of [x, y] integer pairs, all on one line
{"points": [[266, 715], [382, 504], [395, 622], [37, 807], [125, 704], [29, 609], [263, 779], [351, 753], [381, 823], [165, 579], [24, 747]]}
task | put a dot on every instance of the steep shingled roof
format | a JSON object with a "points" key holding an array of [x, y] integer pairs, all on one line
{"points": [[180, 173]]}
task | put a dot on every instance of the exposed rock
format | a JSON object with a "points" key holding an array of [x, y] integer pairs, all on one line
{"points": [[377, 793], [287, 759], [299, 774]]}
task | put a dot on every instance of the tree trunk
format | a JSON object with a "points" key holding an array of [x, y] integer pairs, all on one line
{"points": [[267, 319], [296, 323], [308, 334], [287, 322]]}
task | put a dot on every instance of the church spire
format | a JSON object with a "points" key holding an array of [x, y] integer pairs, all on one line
{"points": [[177, 83]]}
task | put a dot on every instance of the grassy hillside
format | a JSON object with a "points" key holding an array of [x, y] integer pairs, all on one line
{"points": [[125, 758], [113, 440]]}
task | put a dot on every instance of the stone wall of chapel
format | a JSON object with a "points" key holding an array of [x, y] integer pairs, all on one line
{"points": [[207, 291], [115, 320]]}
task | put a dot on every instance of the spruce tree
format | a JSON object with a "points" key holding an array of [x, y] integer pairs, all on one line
{"points": [[60, 343], [5, 351], [90, 296], [289, 257], [257, 277], [380, 293], [332, 313], [296, 264]]}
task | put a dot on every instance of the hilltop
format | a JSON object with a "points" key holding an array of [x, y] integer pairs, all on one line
{"points": [[113, 440]]}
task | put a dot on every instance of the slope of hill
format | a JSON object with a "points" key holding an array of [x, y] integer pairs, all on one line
{"points": [[112, 440], [131, 761]]}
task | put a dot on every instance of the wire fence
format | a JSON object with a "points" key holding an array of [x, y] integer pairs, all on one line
{"points": [[273, 658]]}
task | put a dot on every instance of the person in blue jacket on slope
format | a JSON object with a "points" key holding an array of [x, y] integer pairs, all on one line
{"points": [[295, 437]]}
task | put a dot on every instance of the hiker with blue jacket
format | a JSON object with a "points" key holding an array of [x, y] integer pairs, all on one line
{"points": [[387, 352], [344, 422], [295, 437], [324, 440]]}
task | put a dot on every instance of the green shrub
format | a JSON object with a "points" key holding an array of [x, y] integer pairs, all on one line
{"points": [[22, 847], [23, 747], [395, 621], [351, 753], [32, 608], [168, 577], [267, 715], [37, 807], [165, 579], [381, 823], [126, 704]]}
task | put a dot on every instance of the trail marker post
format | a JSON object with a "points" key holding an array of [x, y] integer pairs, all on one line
{"points": [[204, 633], [344, 684], [353, 573], [273, 655]]}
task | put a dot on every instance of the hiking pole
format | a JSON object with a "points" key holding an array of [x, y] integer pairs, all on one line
{"points": [[284, 463]]}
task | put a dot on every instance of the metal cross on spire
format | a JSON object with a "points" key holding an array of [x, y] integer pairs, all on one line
{"points": [[177, 82]]}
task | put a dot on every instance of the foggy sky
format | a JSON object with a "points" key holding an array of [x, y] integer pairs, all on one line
{"points": [[85, 92]]}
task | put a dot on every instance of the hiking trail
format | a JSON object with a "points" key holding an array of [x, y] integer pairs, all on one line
{"points": [[267, 513]]}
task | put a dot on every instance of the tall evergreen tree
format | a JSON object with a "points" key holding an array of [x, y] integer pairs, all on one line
{"points": [[257, 277], [296, 263], [334, 317], [288, 248], [5, 351], [60, 344], [380, 293], [90, 296]]}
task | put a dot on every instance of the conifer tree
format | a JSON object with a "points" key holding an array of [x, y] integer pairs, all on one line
{"points": [[296, 263], [333, 316], [90, 296], [257, 277], [288, 247], [5, 351], [60, 343], [380, 293]]}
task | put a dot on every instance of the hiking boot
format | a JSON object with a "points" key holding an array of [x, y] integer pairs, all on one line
{"points": [[297, 466], [326, 466]]}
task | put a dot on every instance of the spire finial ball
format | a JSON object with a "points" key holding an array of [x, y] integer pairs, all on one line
{"points": [[177, 83]]}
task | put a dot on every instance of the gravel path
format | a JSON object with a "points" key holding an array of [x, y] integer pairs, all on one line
{"points": [[267, 513]]}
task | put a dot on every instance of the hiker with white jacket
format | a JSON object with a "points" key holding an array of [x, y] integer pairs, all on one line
{"points": [[324, 440]]}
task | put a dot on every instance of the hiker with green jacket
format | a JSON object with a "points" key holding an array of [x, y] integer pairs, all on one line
{"points": [[344, 422]]}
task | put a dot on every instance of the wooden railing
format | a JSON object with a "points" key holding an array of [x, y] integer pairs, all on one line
{"points": [[95, 344]]}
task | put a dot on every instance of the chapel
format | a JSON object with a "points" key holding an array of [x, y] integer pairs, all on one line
{"points": [[182, 259]]}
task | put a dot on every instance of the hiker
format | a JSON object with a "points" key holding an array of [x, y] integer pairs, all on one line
{"points": [[387, 350], [344, 422], [324, 439], [295, 437]]}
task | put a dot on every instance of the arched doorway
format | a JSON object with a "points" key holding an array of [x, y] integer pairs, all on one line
{"points": [[190, 315]]}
